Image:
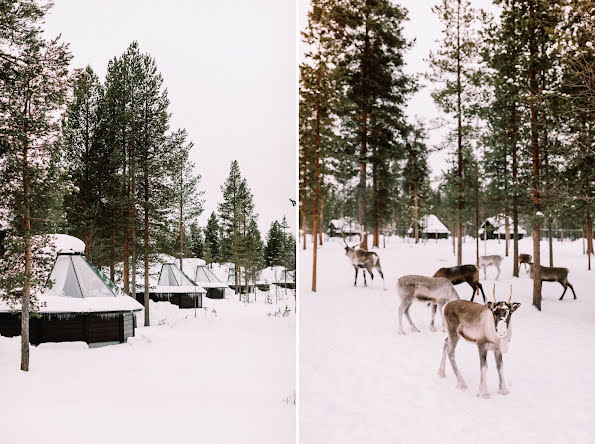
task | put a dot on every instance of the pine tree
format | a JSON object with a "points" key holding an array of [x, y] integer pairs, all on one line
{"points": [[34, 81], [212, 234], [185, 182], [197, 243], [453, 67]]}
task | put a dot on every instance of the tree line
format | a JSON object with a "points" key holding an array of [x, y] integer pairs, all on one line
{"points": [[516, 90]]}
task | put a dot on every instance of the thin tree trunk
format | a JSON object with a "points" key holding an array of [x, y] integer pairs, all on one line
{"points": [[27, 284], [146, 246], [459, 142], [415, 214], [589, 238], [315, 215], [535, 194], [133, 201], [515, 201]]}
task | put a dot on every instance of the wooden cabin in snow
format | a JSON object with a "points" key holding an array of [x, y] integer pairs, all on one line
{"points": [[430, 227], [80, 303], [495, 228], [173, 285]]}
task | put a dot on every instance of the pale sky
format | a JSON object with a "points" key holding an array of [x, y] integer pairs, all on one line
{"points": [[230, 70], [425, 28]]}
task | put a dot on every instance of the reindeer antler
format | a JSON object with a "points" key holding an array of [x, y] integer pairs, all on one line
{"points": [[494, 292]]}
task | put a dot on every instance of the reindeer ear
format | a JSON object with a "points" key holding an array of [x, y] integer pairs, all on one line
{"points": [[489, 304], [514, 306]]}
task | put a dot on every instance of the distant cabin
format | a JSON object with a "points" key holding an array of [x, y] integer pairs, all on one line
{"points": [[279, 276], [429, 226], [350, 228], [80, 303], [175, 286], [494, 227]]}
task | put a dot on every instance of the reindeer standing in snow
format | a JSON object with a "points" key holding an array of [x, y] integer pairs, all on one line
{"points": [[360, 258], [486, 325]]}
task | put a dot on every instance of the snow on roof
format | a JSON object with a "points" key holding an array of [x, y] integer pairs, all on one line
{"points": [[499, 223], [77, 286], [173, 280], [350, 225], [189, 265], [63, 243], [205, 278], [431, 224], [274, 275]]}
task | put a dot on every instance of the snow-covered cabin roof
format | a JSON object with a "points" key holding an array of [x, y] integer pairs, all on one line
{"points": [[499, 223], [189, 265], [206, 279], [77, 286], [276, 275], [173, 280], [350, 227], [64, 243], [431, 224]]}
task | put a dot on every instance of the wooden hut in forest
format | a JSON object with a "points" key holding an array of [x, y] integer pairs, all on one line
{"points": [[429, 226], [79, 304], [495, 228]]}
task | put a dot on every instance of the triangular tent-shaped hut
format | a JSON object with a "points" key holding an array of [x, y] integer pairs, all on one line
{"points": [[204, 277], [80, 303], [176, 287]]}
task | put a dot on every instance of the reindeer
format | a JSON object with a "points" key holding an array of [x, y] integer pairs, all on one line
{"points": [[553, 274], [526, 259], [436, 290], [486, 325], [462, 273], [486, 261], [360, 258]]}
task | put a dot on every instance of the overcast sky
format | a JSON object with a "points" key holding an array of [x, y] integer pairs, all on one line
{"points": [[229, 67], [425, 28]]}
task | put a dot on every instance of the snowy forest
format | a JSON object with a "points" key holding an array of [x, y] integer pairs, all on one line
{"points": [[516, 88], [98, 159]]}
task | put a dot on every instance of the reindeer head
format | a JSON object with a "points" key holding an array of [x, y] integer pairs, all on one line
{"points": [[348, 249], [502, 312]]}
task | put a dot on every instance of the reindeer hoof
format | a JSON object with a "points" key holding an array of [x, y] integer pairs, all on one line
{"points": [[441, 373], [462, 386], [503, 392], [432, 328], [485, 395]]}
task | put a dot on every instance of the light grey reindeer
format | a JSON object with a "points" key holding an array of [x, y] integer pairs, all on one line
{"points": [[554, 274], [435, 290], [486, 261], [486, 325], [366, 260]]}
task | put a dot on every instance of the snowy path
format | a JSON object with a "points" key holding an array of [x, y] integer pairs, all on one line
{"points": [[219, 379], [361, 382]]}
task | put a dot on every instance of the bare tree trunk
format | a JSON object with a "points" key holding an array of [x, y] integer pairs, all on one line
{"points": [[535, 194], [315, 218], [146, 247], [415, 214], [515, 201], [27, 284], [551, 247], [133, 202], [459, 142], [589, 238]]}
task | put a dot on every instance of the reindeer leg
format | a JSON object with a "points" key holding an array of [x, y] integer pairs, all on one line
{"points": [[432, 328], [565, 288], [441, 308], [485, 273], [483, 365], [572, 288], [356, 270], [401, 310], [413, 327], [452, 344], [498, 267], [364, 273], [441, 370], [503, 390], [381, 274], [482, 293], [474, 290]]}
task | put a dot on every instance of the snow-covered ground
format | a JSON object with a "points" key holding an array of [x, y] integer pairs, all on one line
{"points": [[362, 382], [226, 376]]}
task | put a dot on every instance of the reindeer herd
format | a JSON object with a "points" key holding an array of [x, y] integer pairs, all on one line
{"points": [[487, 325]]}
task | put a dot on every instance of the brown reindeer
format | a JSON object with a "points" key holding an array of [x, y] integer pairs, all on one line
{"points": [[486, 325], [554, 274], [360, 258], [462, 273], [526, 259]]}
